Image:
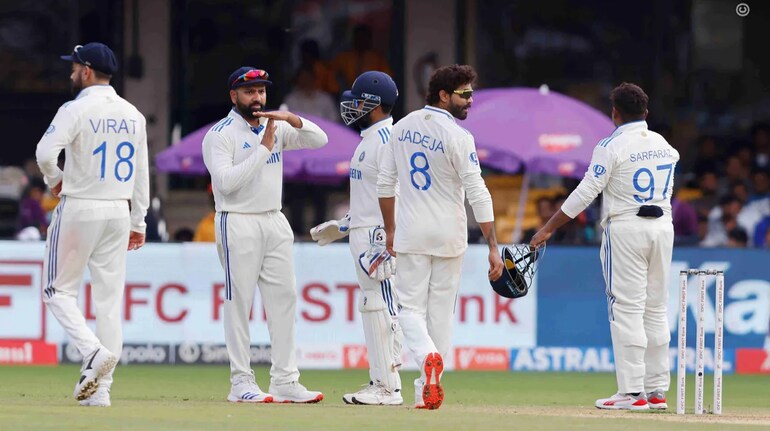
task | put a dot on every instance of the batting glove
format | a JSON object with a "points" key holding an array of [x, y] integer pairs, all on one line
{"points": [[376, 261], [330, 231]]}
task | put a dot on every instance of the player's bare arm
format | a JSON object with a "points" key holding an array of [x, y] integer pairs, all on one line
{"points": [[55, 190], [293, 119], [388, 209], [495, 261], [557, 220]]}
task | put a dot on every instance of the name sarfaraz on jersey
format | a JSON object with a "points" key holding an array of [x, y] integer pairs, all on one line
{"points": [[422, 140], [112, 125], [650, 155]]}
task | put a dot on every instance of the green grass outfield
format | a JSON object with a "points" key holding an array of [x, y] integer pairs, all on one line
{"points": [[193, 398]]}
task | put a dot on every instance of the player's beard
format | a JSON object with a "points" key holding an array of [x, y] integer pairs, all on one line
{"points": [[459, 112], [247, 111], [76, 85], [364, 122]]}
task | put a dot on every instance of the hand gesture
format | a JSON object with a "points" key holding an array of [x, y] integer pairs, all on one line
{"points": [[135, 240], [495, 265], [268, 140]]}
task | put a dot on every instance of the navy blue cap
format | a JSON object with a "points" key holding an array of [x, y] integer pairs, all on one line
{"points": [[95, 55], [247, 75], [374, 83]]}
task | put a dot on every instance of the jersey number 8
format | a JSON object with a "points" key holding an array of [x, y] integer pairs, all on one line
{"points": [[123, 159], [422, 170]]}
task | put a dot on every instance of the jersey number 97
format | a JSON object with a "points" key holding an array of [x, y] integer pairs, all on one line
{"points": [[645, 176], [124, 168]]}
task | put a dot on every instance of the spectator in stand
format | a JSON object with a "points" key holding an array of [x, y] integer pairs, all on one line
{"points": [[708, 184], [310, 57], [347, 65], [685, 222], [722, 220], [31, 213], [737, 238], [741, 192], [760, 137], [762, 233], [205, 231], [760, 184], [735, 173], [307, 98], [707, 158], [183, 234], [545, 210]]}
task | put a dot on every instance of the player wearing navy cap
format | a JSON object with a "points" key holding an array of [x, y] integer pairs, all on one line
{"points": [[104, 193], [244, 155], [367, 105]]}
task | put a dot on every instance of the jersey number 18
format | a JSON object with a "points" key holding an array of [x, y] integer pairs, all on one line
{"points": [[123, 159]]}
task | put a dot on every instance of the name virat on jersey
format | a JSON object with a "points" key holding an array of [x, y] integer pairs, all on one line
{"points": [[649, 155], [112, 125], [422, 140]]}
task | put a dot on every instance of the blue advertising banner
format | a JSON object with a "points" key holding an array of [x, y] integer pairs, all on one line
{"points": [[572, 306]]}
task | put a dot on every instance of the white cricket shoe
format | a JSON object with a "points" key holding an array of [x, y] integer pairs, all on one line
{"points": [[418, 403], [246, 390], [100, 398], [657, 400], [100, 362], [378, 395], [624, 402], [294, 392], [348, 398]]}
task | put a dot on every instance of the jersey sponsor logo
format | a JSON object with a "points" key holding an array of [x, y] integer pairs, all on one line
{"points": [[50, 129], [599, 170], [246, 145], [361, 157], [356, 174], [559, 143], [421, 139], [474, 158], [481, 358], [274, 158]]}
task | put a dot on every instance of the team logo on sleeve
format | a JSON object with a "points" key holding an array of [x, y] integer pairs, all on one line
{"points": [[50, 129], [361, 157], [474, 158], [599, 170]]}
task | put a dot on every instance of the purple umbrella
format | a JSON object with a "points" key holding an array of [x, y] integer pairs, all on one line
{"points": [[544, 131], [331, 162]]}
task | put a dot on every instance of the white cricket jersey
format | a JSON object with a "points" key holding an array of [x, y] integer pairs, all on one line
{"points": [[435, 163], [245, 176], [633, 167], [364, 167], [104, 139]]}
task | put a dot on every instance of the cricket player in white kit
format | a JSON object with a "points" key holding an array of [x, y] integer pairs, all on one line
{"points": [[367, 105], [434, 161], [104, 192], [244, 155], [634, 169]]}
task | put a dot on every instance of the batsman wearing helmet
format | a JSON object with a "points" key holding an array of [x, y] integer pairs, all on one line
{"points": [[244, 154], [435, 163], [634, 169], [367, 105]]}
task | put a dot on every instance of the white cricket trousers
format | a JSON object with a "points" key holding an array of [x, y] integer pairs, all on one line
{"points": [[427, 290], [93, 233], [256, 249], [378, 304], [636, 259]]}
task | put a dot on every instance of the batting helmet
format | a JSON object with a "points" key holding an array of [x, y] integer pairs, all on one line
{"points": [[370, 90], [520, 265]]}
